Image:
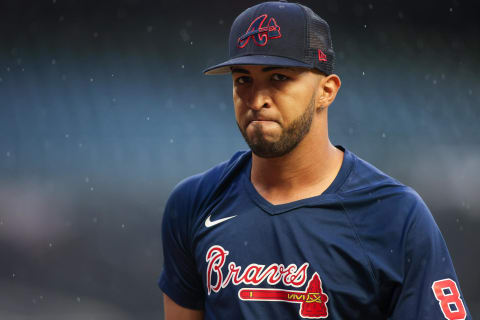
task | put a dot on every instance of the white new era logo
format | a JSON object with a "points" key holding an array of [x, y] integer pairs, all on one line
{"points": [[209, 223]]}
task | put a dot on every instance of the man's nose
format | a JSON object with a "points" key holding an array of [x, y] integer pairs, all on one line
{"points": [[259, 97]]}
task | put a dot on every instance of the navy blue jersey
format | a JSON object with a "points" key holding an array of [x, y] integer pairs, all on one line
{"points": [[366, 248]]}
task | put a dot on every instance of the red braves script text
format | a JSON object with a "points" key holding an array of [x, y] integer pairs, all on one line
{"points": [[253, 274]]}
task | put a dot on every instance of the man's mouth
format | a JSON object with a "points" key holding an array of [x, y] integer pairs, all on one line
{"points": [[261, 119]]}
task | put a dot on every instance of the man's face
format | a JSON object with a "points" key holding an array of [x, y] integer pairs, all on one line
{"points": [[274, 106]]}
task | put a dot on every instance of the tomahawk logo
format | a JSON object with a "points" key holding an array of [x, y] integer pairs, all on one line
{"points": [[259, 32], [313, 301]]}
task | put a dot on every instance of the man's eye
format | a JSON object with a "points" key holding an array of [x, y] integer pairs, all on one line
{"points": [[279, 77], [242, 80]]}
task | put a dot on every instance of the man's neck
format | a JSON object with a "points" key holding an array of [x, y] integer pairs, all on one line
{"points": [[304, 172]]}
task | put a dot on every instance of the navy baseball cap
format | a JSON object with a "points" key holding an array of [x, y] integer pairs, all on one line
{"points": [[279, 34]]}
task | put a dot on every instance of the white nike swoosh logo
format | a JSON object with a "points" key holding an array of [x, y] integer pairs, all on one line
{"points": [[209, 223]]}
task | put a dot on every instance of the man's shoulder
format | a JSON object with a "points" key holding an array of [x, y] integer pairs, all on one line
{"points": [[366, 176], [202, 186], [381, 207], [365, 179]]}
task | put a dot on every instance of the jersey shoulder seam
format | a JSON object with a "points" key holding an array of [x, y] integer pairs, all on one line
{"points": [[357, 236]]}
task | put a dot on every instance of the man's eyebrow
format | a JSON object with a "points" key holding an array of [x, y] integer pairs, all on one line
{"points": [[239, 70]]}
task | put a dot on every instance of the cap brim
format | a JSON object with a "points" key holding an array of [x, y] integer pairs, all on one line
{"points": [[224, 68]]}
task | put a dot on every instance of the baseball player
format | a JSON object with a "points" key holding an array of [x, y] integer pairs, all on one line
{"points": [[298, 228]]}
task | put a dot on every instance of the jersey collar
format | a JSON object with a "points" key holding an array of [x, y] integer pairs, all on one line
{"points": [[328, 195]]}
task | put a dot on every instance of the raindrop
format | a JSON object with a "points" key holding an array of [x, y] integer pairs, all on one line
{"points": [[54, 61], [384, 135], [61, 18], [67, 135], [64, 77], [149, 28], [350, 130], [41, 297], [470, 92], [8, 154], [400, 14], [443, 259], [114, 100], [123, 226], [148, 118], [94, 220], [50, 244], [91, 188], [370, 6], [391, 250], [171, 140], [221, 21], [191, 43], [95, 34], [80, 145], [13, 275], [363, 73], [78, 299], [91, 79], [1, 222], [434, 81], [113, 75], [245, 243], [1, 80], [451, 9], [184, 35], [87, 179], [183, 66], [54, 1], [8, 69], [34, 301], [365, 26]]}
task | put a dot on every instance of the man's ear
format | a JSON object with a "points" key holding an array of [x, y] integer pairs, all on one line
{"points": [[328, 88]]}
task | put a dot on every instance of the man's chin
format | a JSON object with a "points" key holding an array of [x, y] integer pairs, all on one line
{"points": [[266, 142], [266, 149], [268, 154]]}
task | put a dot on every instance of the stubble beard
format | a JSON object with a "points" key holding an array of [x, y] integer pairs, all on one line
{"points": [[291, 136]]}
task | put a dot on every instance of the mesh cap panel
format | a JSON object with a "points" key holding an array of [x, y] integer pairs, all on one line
{"points": [[318, 37]]}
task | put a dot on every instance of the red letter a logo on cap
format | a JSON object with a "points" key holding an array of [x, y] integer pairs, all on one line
{"points": [[259, 32]]}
